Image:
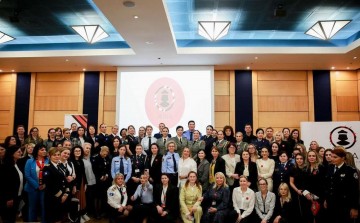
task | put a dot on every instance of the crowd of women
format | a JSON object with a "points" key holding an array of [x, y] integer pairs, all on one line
{"points": [[219, 177]]}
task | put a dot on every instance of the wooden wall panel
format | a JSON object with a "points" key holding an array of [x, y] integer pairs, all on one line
{"points": [[109, 103], [57, 103], [348, 116], [221, 119], [346, 88], [345, 75], [221, 87], [7, 104], [57, 88], [4, 117], [282, 119], [282, 75], [221, 75], [345, 95], [222, 103], [222, 96], [52, 96], [58, 77], [107, 99], [281, 98], [283, 103], [273, 88], [347, 103]]}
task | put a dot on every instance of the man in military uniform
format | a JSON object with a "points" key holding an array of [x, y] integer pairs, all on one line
{"points": [[342, 190]]}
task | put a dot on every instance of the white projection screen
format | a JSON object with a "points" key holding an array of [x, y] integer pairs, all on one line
{"points": [[172, 95]]}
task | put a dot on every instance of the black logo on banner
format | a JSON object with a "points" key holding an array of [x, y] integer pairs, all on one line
{"points": [[343, 136]]}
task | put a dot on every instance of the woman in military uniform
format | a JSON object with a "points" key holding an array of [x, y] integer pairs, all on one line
{"points": [[117, 198], [342, 191], [56, 190]]}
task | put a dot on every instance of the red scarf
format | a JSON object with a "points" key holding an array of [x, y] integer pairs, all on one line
{"points": [[41, 167]]}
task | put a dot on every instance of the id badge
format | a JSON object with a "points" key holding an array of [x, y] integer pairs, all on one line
{"points": [[213, 203], [137, 170]]}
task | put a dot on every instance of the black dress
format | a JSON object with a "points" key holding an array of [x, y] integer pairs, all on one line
{"points": [[285, 210]]}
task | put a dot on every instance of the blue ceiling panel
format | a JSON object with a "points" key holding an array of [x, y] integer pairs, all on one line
{"points": [[264, 22]]}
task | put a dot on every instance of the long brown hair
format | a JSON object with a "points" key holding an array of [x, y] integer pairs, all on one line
{"points": [[197, 183]]}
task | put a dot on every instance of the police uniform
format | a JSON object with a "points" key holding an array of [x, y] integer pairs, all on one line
{"points": [[117, 197], [342, 193], [138, 167], [281, 174], [56, 188], [115, 167], [168, 166]]}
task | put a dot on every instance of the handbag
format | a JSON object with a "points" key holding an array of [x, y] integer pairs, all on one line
{"points": [[315, 207]]}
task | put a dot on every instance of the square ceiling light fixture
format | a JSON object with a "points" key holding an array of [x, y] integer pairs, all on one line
{"points": [[91, 33], [213, 30], [5, 38], [326, 29]]}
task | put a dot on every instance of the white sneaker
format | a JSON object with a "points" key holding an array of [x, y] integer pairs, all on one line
{"points": [[85, 217]]}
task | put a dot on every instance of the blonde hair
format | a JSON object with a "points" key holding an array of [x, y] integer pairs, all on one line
{"points": [[117, 176], [104, 148], [182, 155], [223, 177], [285, 186]]}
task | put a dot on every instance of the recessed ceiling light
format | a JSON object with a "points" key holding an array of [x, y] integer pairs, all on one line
{"points": [[355, 58], [67, 60], [136, 17], [347, 68], [256, 58], [12, 70], [332, 68], [247, 68], [149, 42], [84, 69], [0, 70], [129, 4]]}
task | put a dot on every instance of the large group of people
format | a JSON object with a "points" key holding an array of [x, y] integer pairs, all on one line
{"points": [[222, 176]]}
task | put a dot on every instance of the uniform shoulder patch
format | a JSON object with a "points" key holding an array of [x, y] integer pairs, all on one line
{"points": [[111, 194], [356, 176]]}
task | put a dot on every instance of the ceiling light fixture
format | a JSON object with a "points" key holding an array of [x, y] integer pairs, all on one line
{"points": [[213, 30], [326, 29], [91, 33], [5, 38]]}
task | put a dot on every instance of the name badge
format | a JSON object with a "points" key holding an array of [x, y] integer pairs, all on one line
{"points": [[213, 203], [137, 170]]}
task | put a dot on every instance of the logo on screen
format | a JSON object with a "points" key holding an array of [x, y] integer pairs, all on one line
{"points": [[165, 102], [343, 136]]}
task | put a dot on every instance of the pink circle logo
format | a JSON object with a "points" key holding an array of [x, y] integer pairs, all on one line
{"points": [[165, 102]]}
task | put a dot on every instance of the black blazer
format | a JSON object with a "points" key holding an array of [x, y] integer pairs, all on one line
{"points": [[155, 169], [137, 165], [253, 174], [56, 184], [172, 198], [219, 166], [80, 173], [10, 181], [101, 167]]}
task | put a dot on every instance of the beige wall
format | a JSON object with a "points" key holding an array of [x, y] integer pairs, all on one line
{"points": [[7, 104], [345, 95], [52, 95], [282, 98]]}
